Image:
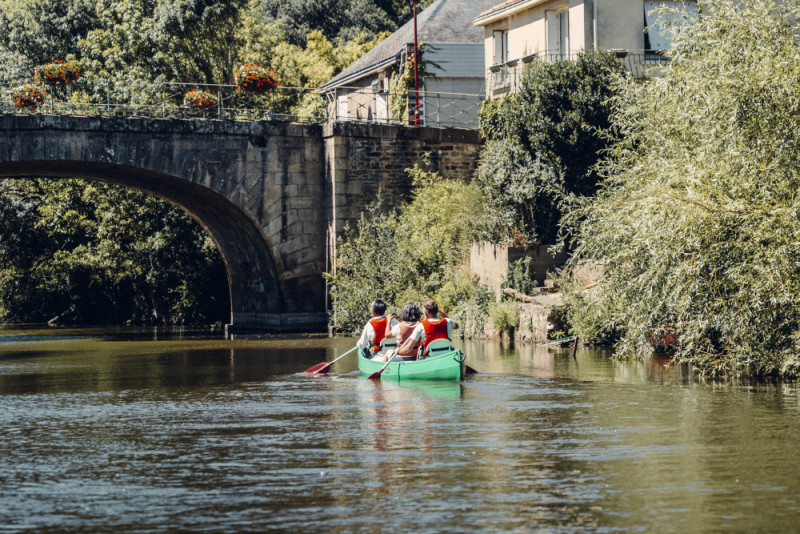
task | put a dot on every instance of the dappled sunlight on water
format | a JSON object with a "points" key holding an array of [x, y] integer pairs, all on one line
{"points": [[130, 430]]}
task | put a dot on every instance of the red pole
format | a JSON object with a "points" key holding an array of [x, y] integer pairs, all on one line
{"points": [[416, 82]]}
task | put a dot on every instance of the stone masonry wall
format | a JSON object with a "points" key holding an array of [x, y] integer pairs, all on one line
{"points": [[362, 160]]}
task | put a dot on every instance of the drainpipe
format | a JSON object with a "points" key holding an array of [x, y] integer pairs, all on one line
{"points": [[416, 81], [594, 23]]}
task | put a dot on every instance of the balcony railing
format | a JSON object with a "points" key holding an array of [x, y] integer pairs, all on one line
{"points": [[506, 78]]}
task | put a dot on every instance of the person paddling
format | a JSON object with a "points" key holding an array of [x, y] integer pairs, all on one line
{"points": [[431, 328], [409, 319], [375, 329]]}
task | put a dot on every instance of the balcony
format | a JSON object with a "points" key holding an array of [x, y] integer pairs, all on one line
{"points": [[504, 79]]}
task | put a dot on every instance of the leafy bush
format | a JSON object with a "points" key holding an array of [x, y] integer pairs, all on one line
{"points": [[504, 316], [521, 275], [696, 224], [28, 96], [97, 254], [543, 143], [418, 252]]}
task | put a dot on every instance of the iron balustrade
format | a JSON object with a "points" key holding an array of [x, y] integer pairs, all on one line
{"points": [[295, 104], [504, 79]]}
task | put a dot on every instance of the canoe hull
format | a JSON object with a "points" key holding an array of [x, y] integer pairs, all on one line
{"points": [[448, 366]]}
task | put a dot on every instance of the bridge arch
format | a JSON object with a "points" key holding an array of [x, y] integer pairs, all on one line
{"points": [[256, 188], [253, 281]]}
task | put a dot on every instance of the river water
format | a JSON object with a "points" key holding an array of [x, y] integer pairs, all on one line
{"points": [[145, 430]]}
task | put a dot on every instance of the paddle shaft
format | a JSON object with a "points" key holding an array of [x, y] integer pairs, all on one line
{"points": [[377, 374], [325, 366]]}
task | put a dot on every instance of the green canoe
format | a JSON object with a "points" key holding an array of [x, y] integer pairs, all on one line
{"points": [[446, 366]]}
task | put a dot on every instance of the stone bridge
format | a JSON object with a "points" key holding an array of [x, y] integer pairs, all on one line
{"points": [[273, 196]]}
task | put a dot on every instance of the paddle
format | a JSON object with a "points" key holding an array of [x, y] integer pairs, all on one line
{"points": [[377, 374], [470, 371], [324, 367]]}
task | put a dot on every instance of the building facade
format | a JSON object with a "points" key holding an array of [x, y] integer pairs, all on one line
{"points": [[517, 32], [450, 72]]}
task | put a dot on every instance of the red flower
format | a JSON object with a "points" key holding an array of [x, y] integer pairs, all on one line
{"points": [[29, 96], [255, 79]]}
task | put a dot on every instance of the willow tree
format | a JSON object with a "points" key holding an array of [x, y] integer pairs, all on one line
{"points": [[696, 228]]}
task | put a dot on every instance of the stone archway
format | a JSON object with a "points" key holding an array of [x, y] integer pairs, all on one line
{"points": [[253, 281]]}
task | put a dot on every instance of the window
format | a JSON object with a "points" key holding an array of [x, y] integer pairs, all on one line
{"points": [[500, 38], [657, 35], [557, 34], [381, 107], [341, 108]]}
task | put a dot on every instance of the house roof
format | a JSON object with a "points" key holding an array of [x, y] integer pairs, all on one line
{"points": [[505, 9], [444, 21]]}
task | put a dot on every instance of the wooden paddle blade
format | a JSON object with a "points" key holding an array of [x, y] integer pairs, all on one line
{"points": [[323, 367]]}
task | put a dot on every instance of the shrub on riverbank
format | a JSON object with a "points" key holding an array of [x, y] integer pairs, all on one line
{"points": [[418, 252], [696, 226]]}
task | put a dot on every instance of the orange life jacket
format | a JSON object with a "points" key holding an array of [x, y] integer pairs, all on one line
{"points": [[436, 329], [379, 326], [405, 333]]}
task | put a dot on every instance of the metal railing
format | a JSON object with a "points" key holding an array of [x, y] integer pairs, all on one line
{"points": [[506, 78], [424, 108], [167, 100], [295, 104]]}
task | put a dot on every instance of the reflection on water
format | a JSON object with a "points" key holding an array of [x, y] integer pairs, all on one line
{"points": [[153, 430]]}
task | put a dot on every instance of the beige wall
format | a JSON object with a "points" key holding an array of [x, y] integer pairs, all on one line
{"points": [[489, 262], [620, 24]]}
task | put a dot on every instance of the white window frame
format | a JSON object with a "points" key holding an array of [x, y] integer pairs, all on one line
{"points": [[381, 107], [500, 46], [341, 108], [557, 24], [655, 25]]}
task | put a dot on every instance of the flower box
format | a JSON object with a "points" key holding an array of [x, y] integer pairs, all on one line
{"points": [[58, 73], [29, 96], [200, 99], [255, 79]]}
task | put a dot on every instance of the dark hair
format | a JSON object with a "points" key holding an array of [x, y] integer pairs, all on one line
{"points": [[410, 313], [431, 306], [379, 307]]}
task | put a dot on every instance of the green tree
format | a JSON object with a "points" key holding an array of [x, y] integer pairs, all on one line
{"points": [[136, 43], [33, 32], [336, 19], [91, 253], [543, 143], [696, 226]]}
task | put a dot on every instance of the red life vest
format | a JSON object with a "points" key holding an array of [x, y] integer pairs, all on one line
{"points": [[405, 333], [379, 326], [436, 329]]}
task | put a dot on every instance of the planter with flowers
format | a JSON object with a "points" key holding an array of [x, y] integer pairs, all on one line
{"points": [[254, 79], [29, 96], [58, 74], [200, 99]]}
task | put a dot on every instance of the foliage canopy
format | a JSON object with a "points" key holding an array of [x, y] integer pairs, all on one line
{"points": [[97, 254], [696, 227], [542, 143]]}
